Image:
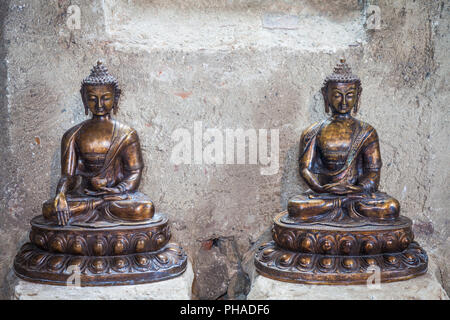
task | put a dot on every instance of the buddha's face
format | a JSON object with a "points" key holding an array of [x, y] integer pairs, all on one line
{"points": [[342, 97], [100, 99]]}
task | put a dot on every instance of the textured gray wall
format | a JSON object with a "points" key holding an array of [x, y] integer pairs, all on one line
{"points": [[190, 61]]}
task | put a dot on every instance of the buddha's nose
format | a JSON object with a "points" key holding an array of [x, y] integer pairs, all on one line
{"points": [[344, 102]]}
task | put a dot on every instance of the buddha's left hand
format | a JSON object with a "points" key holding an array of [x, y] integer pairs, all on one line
{"points": [[111, 190], [103, 191], [342, 188]]}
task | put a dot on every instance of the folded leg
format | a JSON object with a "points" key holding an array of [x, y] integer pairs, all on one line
{"points": [[310, 207], [137, 208], [380, 206], [79, 209]]}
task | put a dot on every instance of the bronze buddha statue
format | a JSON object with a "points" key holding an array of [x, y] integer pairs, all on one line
{"points": [[340, 161], [101, 163], [98, 220], [335, 231]]}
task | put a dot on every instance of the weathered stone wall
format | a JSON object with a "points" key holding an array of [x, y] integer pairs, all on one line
{"points": [[212, 61]]}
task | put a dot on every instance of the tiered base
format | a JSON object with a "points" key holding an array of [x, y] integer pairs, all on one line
{"points": [[328, 253], [284, 265], [105, 256]]}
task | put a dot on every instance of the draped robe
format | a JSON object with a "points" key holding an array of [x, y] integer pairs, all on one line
{"points": [[361, 167], [121, 167]]}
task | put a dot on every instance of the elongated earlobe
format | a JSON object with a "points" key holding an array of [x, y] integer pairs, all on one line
{"points": [[356, 107], [325, 100], [116, 103], [83, 98], [117, 93]]}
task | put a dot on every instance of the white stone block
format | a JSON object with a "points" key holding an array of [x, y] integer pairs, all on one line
{"points": [[425, 287], [178, 288]]}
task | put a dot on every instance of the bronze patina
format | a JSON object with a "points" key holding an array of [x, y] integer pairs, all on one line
{"points": [[98, 221], [343, 229]]}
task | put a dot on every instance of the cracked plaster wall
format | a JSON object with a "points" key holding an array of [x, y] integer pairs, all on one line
{"points": [[213, 62]]}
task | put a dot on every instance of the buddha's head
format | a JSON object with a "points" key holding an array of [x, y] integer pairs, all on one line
{"points": [[341, 90], [100, 91]]}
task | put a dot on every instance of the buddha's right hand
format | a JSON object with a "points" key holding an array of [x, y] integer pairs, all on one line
{"points": [[61, 209]]}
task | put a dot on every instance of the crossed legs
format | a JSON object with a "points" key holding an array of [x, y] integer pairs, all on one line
{"points": [[310, 207]]}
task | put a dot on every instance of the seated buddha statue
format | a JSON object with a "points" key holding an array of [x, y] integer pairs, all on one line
{"points": [[340, 161], [99, 224], [101, 163], [343, 227]]}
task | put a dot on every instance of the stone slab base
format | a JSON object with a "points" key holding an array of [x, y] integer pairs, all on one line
{"points": [[178, 288], [425, 287]]}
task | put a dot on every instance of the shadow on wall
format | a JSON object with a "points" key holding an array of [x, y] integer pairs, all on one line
{"points": [[292, 183], [6, 170]]}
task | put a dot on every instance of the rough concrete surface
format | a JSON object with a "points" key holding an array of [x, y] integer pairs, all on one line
{"points": [[178, 288], [218, 62]]}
